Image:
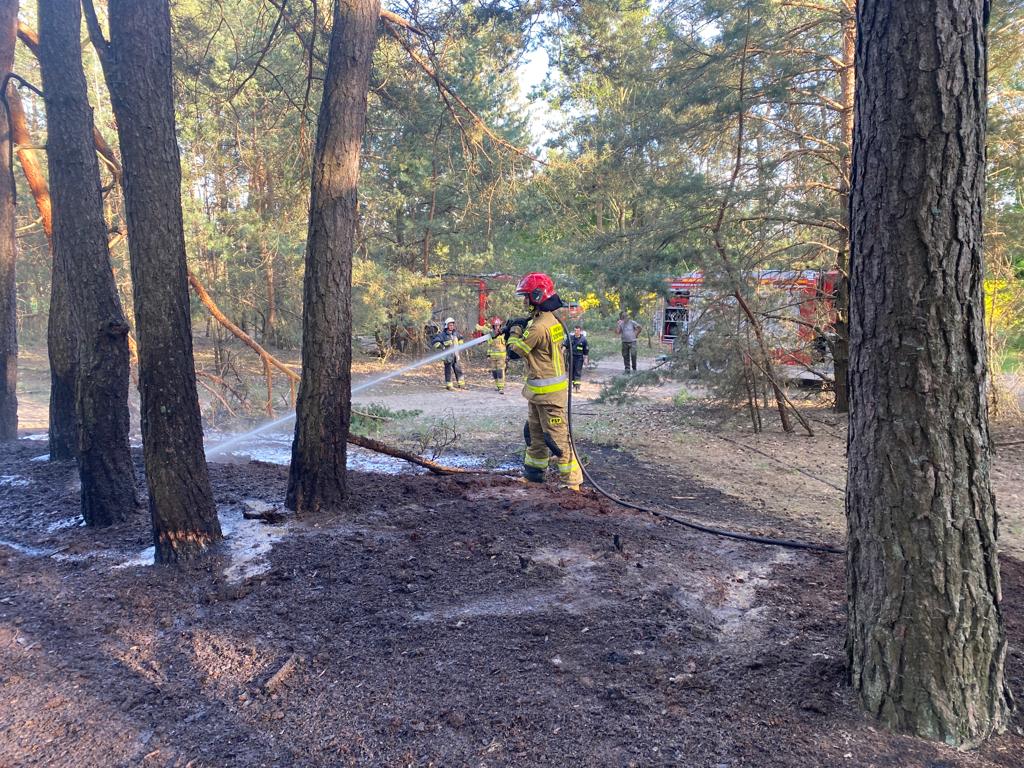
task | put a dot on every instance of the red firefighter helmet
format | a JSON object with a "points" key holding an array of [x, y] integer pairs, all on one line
{"points": [[537, 287], [495, 320]]}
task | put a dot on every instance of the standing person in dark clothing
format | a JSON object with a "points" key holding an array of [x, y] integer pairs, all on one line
{"points": [[628, 329], [449, 339], [580, 356]]}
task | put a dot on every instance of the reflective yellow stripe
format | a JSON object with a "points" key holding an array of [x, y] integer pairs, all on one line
{"points": [[568, 467], [529, 461], [550, 388], [519, 344], [543, 386], [557, 335]]}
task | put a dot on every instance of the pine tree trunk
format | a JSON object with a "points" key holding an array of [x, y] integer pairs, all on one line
{"points": [[61, 334], [316, 479], [8, 244], [80, 245], [137, 64], [925, 642]]}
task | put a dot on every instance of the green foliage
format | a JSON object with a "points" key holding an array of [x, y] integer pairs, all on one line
{"points": [[641, 180], [368, 419]]}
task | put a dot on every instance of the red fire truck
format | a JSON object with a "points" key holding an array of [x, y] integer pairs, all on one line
{"points": [[796, 316]]}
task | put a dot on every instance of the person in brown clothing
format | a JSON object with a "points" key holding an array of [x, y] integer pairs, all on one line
{"points": [[540, 341]]}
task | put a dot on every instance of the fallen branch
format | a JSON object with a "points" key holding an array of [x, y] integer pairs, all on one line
{"points": [[282, 674], [30, 163], [246, 339], [222, 382], [374, 416], [219, 396], [412, 458]]}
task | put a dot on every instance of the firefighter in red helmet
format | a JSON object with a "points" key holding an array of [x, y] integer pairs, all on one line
{"points": [[496, 354], [540, 341]]}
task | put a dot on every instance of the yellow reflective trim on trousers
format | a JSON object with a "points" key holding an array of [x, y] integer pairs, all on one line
{"points": [[565, 469], [529, 461]]}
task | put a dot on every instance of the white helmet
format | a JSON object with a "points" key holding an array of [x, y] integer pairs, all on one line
{"points": [[449, 320]]}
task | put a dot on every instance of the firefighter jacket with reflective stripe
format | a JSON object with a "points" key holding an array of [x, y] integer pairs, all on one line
{"points": [[495, 345], [580, 347], [448, 340], [541, 345]]}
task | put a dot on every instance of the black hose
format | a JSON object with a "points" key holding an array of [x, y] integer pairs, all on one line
{"points": [[749, 537]]}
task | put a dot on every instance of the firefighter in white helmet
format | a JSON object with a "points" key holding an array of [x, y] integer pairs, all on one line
{"points": [[449, 338], [540, 341]]}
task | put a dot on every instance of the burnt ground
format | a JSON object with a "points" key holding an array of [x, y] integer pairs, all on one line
{"points": [[440, 621]]}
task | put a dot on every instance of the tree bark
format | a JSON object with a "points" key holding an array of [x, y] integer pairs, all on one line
{"points": [[80, 247], [137, 66], [8, 244], [925, 641], [316, 480]]}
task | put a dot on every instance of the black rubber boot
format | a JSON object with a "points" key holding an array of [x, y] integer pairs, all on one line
{"points": [[533, 475]]}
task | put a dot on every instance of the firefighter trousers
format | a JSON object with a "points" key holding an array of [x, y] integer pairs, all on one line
{"points": [[498, 372], [577, 369], [551, 418], [452, 366]]}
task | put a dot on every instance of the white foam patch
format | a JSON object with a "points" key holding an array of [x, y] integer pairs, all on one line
{"points": [[64, 524], [14, 481], [276, 448], [38, 436], [44, 457], [247, 544], [145, 557], [25, 549]]}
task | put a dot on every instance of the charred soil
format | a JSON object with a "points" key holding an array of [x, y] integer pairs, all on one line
{"points": [[437, 621]]}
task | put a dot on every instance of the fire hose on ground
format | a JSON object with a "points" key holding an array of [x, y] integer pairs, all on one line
{"points": [[671, 516]]}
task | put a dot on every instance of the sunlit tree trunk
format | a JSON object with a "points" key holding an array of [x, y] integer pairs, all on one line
{"points": [[80, 246], [926, 640], [317, 477]]}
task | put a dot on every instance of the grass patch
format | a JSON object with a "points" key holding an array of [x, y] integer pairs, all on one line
{"points": [[368, 419]]}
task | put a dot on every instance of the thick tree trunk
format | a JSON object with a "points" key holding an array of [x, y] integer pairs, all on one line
{"points": [[61, 334], [137, 64], [317, 476], [841, 347], [80, 246], [926, 641], [8, 243]]}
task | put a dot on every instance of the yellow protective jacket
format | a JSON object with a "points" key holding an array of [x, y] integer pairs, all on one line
{"points": [[495, 345], [541, 345]]}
